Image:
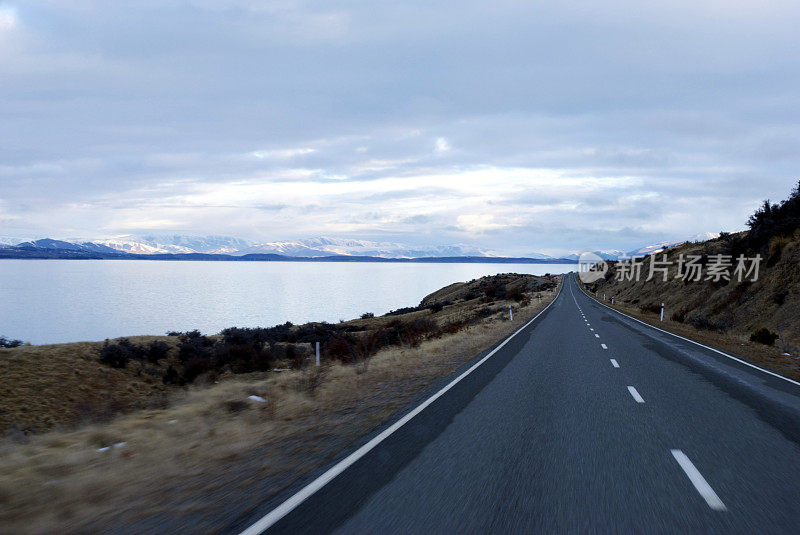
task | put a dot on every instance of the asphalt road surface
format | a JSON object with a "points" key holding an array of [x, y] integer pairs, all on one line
{"points": [[585, 421]]}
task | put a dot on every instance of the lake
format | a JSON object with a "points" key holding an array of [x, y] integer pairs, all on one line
{"points": [[52, 301]]}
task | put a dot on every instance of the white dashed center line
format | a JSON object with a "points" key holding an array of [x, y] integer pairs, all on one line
{"points": [[604, 346], [614, 363], [635, 394], [699, 481]]}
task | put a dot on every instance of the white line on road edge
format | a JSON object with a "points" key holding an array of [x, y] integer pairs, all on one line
{"points": [[699, 481], [614, 363], [635, 394], [696, 343], [604, 346], [306, 492]]}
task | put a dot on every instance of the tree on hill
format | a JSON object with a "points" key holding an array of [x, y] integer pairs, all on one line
{"points": [[772, 220]]}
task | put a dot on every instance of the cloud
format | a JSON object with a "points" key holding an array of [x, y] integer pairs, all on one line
{"points": [[8, 18], [548, 125], [442, 145]]}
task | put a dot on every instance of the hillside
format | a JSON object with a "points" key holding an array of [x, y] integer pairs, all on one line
{"points": [[733, 308]]}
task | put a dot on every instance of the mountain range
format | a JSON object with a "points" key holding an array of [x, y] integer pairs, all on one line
{"points": [[319, 247]]}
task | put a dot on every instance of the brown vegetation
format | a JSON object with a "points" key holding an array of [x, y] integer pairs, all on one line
{"points": [[201, 448]]}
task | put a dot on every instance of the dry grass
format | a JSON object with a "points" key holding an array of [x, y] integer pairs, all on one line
{"points": [[64, 385], [211, 446]]}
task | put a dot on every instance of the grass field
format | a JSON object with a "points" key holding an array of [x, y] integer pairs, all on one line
{"points": [[199, 449]]}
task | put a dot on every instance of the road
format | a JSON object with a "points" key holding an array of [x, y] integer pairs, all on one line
{"points": [[585, 421]]}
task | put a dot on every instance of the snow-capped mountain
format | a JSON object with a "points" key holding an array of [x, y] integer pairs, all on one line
{"points": [[658, 247], [605, 255], [176, 244], [50, 244], [538, 256], [322, 246], [311, 247]]}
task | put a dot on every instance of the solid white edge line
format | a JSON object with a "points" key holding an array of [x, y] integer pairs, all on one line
{"points": [[604, 346], [614, 363], [303, 494], [699, 481], [635, 394], [692, 341]]}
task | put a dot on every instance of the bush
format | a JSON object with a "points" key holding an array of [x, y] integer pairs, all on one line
{"points": [[762, 335], [516, 294], [436, 307], [6, 343], [779, 297], [367, 315], [653, 308], [171, 376], [404, 310], [680, 315], [118, 354], [772, 220], [194, 345], [702, 322], [495, 290], [156, 351]]}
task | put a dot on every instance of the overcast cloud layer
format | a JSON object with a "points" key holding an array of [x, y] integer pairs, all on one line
{"points": [[516, 127]]}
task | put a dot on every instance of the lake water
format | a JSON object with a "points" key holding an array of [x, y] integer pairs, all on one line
{"points": [[51, 301]]}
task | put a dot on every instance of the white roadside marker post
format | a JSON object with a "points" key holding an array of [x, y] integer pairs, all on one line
{"points": [[604, 297], [510, 313], [662, 311], [317, 353], [612, 300]]}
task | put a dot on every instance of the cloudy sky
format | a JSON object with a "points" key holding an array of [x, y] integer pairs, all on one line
{"points": [[513, 126]]}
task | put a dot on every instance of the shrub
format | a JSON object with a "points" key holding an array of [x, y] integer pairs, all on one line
{"points": [[436, 307], [516, 294], [340, 348], [404, 310], [779, 297], [772, 220], [195, 367], [702, 322], [653, 308], [680, 315], [367, 315], [6, 343], [495, 290], [156, 351], [255, 337], [118, 354], [481, 313], [193, 344], [170, 376], [762, 335]]}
